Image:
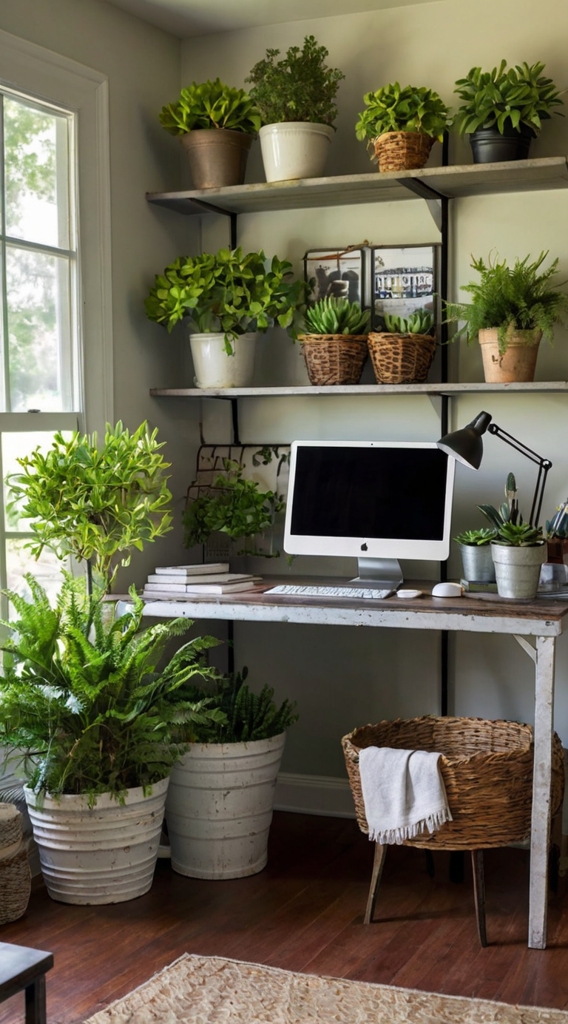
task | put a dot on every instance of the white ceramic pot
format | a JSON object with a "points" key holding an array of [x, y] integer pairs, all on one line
{"points": [[214, 368], [294, 149], [517, 569], [104, 854], [219, 807]]}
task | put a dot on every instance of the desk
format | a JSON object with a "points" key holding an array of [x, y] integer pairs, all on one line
{"points": [[24, 968], [543, 619]]}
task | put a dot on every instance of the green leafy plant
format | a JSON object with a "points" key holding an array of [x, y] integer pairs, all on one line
{"points": [[479, 537], [84, 704], [419, 322], [94, 502], [508, 511], [299, 87], [393, 108], [211, 105], [228, 291], [234, 505], [332, 315], [557, 527], [518, 97], [518, 298], [241, 715], [519, 535]]}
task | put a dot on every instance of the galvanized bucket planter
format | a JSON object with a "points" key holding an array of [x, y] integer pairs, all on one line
{"points": [[517, 569], [219, 807], [477, 563], [104, 854]]}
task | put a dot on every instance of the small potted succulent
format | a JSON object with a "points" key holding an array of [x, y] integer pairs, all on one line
{"points": [[518, 549], [512, 308], [475, 550], [296, 98], [228, 298], [334, 340], [502, 110], [403, 350], [401, 125], [216, 125]]}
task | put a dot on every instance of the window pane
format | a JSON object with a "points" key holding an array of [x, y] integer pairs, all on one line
{"points": [[39, 319], [36, 174], [15, 446], [47, 569]]}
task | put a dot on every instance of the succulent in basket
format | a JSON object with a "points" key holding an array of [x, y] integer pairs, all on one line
{"points": [[419, 322], [332, 315]]}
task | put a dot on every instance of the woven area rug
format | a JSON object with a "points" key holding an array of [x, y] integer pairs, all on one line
{"points": [[212, 990]]}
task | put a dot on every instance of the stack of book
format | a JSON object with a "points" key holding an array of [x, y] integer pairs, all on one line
{"points": [[175, 582]]}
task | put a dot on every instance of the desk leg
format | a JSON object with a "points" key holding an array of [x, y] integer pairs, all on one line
{"points": [[35, 1002], [542, 776]]}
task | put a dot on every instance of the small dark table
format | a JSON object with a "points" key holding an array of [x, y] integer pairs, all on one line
{"points": [[23, 968]]}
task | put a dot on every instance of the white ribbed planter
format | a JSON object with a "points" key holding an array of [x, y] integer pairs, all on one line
{"points": [[214, 368], [517, 569], [219, 807], [294, 149], [106, 854]]}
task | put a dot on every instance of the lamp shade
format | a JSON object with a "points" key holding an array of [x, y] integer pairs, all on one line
{"points": [[466, 445]]}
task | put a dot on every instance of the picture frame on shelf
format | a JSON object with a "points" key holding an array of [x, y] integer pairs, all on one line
{"points": [[337, 272], [404, 279]]}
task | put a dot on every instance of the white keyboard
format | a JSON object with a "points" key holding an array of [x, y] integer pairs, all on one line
{"points": [[353, 592]]}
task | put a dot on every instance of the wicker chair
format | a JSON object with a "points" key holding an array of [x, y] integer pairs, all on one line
{"points": [[487, 767]]}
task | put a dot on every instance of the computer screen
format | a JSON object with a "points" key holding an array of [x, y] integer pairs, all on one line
{"points": [[370, 500]]}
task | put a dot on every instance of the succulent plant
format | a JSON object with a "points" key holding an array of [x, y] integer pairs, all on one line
{"points": [[332, 315], [419, 322], [519, 535], [508, 512], [476, 538], [211, 105]]}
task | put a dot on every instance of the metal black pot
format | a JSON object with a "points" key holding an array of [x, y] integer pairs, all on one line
{"points": [[489, 146]]}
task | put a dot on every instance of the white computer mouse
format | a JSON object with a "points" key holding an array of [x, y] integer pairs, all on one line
{"points": [[447, 590]]}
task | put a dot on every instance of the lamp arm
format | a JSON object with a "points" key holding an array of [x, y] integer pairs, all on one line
{"points": [[543, 467]]}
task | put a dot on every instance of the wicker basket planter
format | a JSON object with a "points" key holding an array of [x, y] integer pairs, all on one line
{"points": [[401, 358], [334, 358], [15, 875], [487, 767], [402, 151]]}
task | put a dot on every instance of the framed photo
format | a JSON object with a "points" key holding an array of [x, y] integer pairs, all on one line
{"points": [[338, 272], [404, 278]]}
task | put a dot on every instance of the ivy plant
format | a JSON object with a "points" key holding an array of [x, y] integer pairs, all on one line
{"points": [[299, 87], [514, 98], [393, 108], [211, 105]]}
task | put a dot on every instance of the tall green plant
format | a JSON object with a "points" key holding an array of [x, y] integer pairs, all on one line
{"points": [[300, 87], [211, 105], [506, 99], [95, 501]]}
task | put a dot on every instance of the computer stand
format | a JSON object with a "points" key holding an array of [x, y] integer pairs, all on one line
{"points": [[385, 573]]}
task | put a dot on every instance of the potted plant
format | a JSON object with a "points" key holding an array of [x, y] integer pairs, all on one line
{"points": [[334, 340], [475, 549], [502, 110], [519, 551], [228, 298], [296, 98], [401, 125], [557, 535], [402, 353], [219, 805], [216, 125], [512, 308]]}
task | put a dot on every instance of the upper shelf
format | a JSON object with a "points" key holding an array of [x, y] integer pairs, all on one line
{"points": [[358, 389], [452, 182]]}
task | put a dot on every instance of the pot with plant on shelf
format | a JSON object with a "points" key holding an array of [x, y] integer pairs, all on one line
{"points": [[518, 549], [475, 550], [334, 340], [401, 125], [216, 125], [403, 352], [557, 535], [512, 308], [296, 98], [228, 298], [502, 110]]}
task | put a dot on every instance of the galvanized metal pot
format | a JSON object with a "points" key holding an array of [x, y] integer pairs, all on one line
{"points": [[477, 562], [517, 569], [217, 156]]}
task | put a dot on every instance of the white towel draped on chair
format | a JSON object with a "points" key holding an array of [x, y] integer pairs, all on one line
{"points": [[403, 792]]}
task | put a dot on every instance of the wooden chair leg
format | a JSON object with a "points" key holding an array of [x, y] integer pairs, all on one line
{"points": [[479, 893], [378, 863]]}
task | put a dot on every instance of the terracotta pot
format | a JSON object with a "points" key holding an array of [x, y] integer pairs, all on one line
{"points": [[217, 156], [517, 363]]}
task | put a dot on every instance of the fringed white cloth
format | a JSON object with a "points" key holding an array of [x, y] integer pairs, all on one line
{"points": [[403, 792]]}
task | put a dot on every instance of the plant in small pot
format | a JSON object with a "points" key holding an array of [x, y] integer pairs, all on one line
{"points": [[475, 550], [296, 98], [403, 352], [557, 535], [219, 805], [228, 298], [216, 125], [512, 308], [334, 340], [519, 551], [401, 125], [502, 110]]}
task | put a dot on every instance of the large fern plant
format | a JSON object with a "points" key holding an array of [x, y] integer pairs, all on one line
{"points": [[85, 698]]}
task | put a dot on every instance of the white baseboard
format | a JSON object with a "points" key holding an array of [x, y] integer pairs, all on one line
{"points": [[314, 794]]}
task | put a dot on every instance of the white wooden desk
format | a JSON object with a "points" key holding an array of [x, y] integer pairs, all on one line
{"points": [[543, 619]]}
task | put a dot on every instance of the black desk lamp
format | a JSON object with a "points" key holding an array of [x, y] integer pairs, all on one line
{"points": [[466, 446]]}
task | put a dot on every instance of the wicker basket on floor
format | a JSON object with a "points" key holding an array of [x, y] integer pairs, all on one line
{"points": [[401, 358], [15, 875], [402, 151], [334, 358], [487, 767]]}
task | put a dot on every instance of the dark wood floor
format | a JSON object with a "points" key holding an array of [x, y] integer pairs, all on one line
{"points": [[304, 913]]}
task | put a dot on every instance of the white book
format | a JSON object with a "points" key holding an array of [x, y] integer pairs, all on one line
{"points": [[201, 590], [199, 569], [221, 577]]}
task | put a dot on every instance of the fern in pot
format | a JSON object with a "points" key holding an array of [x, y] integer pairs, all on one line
{"points": [[334, 340]]}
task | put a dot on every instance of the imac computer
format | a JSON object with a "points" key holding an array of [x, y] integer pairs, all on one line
{"points": [[377, 501]]}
